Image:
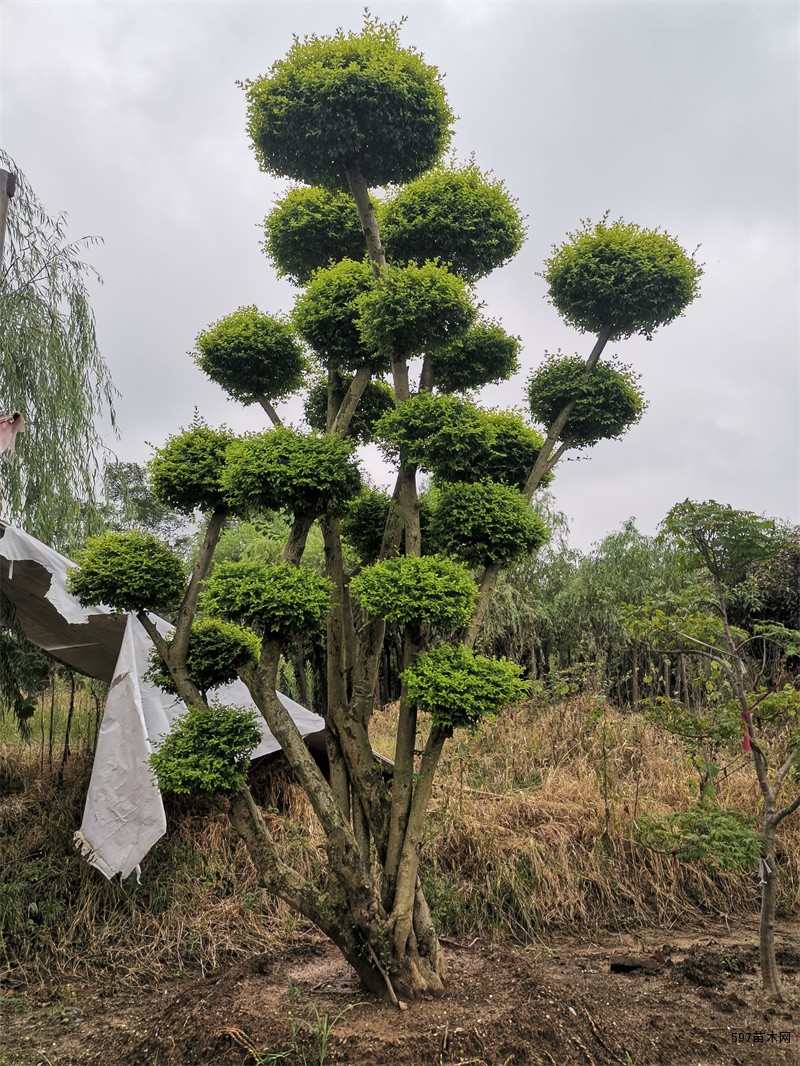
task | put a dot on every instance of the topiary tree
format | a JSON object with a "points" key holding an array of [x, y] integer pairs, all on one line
{"points": [[340, 114]]}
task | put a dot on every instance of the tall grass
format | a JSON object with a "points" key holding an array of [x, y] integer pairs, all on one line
{"points": [[533, 832]]}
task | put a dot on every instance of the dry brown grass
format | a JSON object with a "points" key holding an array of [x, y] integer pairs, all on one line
{"points": [[532, 832]]}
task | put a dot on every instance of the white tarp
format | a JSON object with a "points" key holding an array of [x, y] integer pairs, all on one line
{"points": [[124, 813]]}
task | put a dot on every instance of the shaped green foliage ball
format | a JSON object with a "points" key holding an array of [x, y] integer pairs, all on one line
{"points": [[364, 521], [415, 309], [618, 276], [277, 600], [186, 473], [485, 523], [459, 688], [250, 355], [415, 591], [282, 470], [127, 572], [442, 434], [311, 228], [607, 401], [217, 651], [509, 456], [482, 355], [327, 316], [461, 215], [207, 751], [349, 101]]}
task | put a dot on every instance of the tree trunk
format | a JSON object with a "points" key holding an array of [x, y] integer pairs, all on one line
{"points": [[770, 976]]}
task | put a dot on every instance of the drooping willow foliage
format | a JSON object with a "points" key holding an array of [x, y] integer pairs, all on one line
{"points": [[51, 370]]}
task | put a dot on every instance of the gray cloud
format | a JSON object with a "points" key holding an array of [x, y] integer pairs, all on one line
{"points": [[682, 115]]}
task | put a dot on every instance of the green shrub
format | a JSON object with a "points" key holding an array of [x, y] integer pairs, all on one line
{"points": [[186, 473], [311, 228], [250, 355], [217, 651], [485, 353], [364, 521], [457, 687], [717, 836], [207, 751], [460, 214], [617, 275], [484, 523], [349, 100], [127, 572], [414, 591], [278, 600], [415, 309], [607, 401], [327, 316], [282, 470], [443, 434]]}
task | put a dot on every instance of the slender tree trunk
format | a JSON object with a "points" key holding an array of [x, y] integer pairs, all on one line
{"points": [[770, 976]]}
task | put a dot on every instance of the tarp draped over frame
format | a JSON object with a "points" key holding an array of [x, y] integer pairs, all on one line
{"points": [[124, 813]]}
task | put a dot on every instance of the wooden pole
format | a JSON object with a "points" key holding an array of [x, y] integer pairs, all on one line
{"points": [[8, 183]]}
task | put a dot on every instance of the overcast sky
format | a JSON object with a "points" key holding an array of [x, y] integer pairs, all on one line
{"points": [[681, 115]]}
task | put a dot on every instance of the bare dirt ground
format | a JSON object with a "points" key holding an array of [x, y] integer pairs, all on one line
{"points": [[694, 998]]}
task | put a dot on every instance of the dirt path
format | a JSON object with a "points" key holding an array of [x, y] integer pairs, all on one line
{"points": [[692, 997]]}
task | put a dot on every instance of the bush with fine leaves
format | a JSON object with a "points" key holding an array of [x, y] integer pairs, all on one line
{"points": [[485, 353], [327, 316], [207, 751], [128, 572], [364, 521], [485, 523], [410, 590], [607, 401], [217, 651], [278, 600], [186, 473], [415, 309], [350, 100], [310, 228], [250, 354], [283, 470], [443, 434], [461, 214], [618, 276], [459, 688]]}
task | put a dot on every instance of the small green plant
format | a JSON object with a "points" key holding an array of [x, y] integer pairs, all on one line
{"points": [[721, 838], [318, 1030]]}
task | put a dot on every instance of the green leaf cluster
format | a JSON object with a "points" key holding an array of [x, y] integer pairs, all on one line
{"points": [[414, 591], [310, 228], [442, 434], [722, 539], [484, 523], [415, 309], [278, 600], [250, 354], [207, 751], [128, 572], [459, 688], [364, 521], [377, 399], [282, 470], [327, 315], [607, 401], [217, 651], [460, 214], [186, 473], [618, 276], [716, 836], [485, 353], [510, 453], [346, 101]]}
